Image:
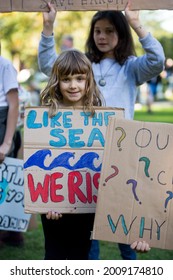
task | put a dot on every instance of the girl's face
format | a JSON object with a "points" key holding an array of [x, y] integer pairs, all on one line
{"points": [[73, 90], [105, 37]]}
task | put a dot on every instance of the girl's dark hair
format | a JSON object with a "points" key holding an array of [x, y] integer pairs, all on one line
{"points": [[125, 46]]}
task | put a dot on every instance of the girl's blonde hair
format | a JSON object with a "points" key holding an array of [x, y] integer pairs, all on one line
{"points": [[71, 62]]}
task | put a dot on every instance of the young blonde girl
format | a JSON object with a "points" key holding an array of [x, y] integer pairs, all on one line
{"points": [[71, 63], [71, 84]]}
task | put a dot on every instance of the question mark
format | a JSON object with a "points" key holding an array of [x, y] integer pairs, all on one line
{"points": [[121, 138], [147, 164], [112, 175], [168, 198], [134, 185]]}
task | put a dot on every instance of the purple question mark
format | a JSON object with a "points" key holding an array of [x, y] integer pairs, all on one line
{"points": [[134, 185]]}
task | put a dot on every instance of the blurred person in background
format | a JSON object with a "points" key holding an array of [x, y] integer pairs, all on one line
{"points": [[9, 108], [24, 97], [152, 89], [67, 42], [34, 94]]}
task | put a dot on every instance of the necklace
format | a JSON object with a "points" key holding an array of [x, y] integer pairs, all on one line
{"points": [[102, 81]]}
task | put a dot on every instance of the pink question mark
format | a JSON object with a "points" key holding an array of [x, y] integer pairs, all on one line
{"points": [[112, 175]]}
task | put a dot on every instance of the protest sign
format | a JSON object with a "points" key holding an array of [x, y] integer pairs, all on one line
{"points": [[135, 197], [12, 216], [63, 158], [79, 5]]}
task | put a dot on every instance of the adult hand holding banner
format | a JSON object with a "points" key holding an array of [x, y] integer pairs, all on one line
{"points": [[81, 5]]}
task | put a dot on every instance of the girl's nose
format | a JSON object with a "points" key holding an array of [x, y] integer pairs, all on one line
{"points": [[102, 35], [72, 84]]}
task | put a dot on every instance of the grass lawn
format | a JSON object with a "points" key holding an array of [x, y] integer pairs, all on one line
{"points": [[159, 114], [34, 243]]}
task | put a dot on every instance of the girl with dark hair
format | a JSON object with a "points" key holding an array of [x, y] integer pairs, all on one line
{"points": [[116, 23], [117, 70]]}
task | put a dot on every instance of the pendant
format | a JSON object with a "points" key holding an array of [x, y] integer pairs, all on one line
{"points": [[102, 82]]}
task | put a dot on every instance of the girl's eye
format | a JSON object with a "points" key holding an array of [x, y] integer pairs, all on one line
{"points": [[110, 31], [81, 78], [97, 31], [65, 80]]}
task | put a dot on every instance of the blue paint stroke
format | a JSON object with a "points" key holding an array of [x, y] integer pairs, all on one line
{"points": [[168, 198], [86, 161], [3, 190]]}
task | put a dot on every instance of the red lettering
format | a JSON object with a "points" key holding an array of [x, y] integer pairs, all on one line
{"points": [[43, 190], [74, 182], [55, 187], [89, 187], [40, 190], [96, 178], [79, 189]]}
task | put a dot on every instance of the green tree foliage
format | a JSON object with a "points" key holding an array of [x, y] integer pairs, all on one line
{"points": [[167, 43], [153, 22], [20, 33], [20, 36], [74, 23]]}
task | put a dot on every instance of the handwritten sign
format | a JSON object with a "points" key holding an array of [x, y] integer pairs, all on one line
{"points": [[12, 216], [135, 197], [63, 157], [77, 5]]}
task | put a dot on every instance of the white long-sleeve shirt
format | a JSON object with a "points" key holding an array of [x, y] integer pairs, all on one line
{"points": [[8, 80]]}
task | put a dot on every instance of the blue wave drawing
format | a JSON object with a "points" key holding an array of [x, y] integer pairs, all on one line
{"points": [[86, 161]]}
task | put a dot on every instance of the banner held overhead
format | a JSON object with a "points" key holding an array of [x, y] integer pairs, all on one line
{"points": [[81, 5]]}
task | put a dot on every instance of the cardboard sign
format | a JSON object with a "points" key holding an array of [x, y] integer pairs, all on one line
{"points": [[12, 216], [135, 198], [63, 158], [79, 5]]}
